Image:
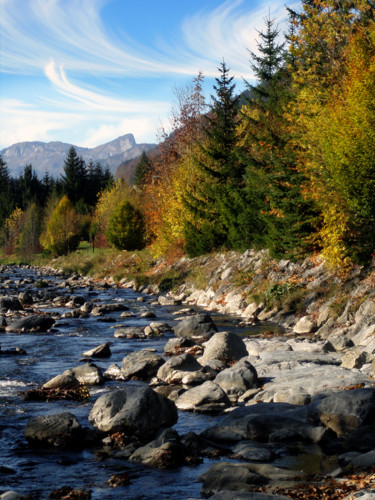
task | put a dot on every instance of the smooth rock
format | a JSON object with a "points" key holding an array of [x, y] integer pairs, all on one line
{"points": [[136, 411], [62, 429], [237, 379], [175, 369], [225, 346], [87, 374], [205, 398], [102, 351], [200, 325], [30, 324], [141, 364]]}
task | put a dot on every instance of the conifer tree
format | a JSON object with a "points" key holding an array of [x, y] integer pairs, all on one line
{"points": [[5, 192], [142, 169], [273, 183], [211, 201], [74, 178]]}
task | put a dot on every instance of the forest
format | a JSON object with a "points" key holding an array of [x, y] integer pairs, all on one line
{"points": [[288, 165]]}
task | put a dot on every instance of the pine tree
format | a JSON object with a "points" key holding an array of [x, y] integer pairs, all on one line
{"points": [[273, 183], [5, 192], [211, 200], [142, 169], [74, 178]]}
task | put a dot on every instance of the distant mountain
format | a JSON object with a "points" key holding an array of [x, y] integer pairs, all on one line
{"points": [[50, 156]]}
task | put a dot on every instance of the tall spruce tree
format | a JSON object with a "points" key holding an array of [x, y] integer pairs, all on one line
{"points": [[74, 178], [210, 202], [273, 183], [6, 204]]}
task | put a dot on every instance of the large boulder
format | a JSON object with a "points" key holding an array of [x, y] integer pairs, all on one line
{"points": [[225, 346], [200, 326], [206, 398], [87, 374], [348, 413], [141, 364], [137, 411], [240, 477], [267, 422], [62, 429], [176, 368], [39, 323], [237, 379]]}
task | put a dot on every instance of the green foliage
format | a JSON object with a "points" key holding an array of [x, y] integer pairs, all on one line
{"points": [[142, 169], [126, 230]]}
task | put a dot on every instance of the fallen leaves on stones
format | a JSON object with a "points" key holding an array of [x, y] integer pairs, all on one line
{"points": [[328, 488], [119, 480], [77, 393], [68, 493]]}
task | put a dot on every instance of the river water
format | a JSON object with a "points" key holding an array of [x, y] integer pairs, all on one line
{"points": [[37, 472]]}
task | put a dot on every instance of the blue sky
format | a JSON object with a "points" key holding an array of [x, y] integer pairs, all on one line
{"points": [[87, 71]]}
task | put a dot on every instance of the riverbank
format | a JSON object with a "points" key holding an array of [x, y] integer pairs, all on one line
{"points": [[298, 394]]}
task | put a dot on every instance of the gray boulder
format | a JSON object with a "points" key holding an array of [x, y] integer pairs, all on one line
{"points": [[266, 422], [206, 398], [87, 374], [240, 477], [141, 364], [200, 326], [33, 323], [137, 411], [61, 429], [348, 413], [225, 346], [129, 332], [175, 369], [237, 379]]}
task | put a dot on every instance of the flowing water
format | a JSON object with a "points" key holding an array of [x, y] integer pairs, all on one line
{"points": [[37, 472]]}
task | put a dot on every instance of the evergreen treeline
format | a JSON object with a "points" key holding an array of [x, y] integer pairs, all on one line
{"points": [[289, 165]]}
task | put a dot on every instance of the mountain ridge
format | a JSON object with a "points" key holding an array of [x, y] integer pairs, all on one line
{"points": [[49, 156]]}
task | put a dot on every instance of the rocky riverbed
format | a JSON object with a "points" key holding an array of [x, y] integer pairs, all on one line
{"points": [[136, 381]]}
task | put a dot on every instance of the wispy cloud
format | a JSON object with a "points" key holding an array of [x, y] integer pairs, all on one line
{"points": [[66, 46], [71, 33]]}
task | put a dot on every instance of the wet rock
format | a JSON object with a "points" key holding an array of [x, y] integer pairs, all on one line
{"points": [[238, 495], [305, 325], [225, 346], [206, 398], [166, 451], [87, 374], [9, 303], [176, 345], [108, 308], [25, 298], [60, 381], [253, 451], [12, 495], [136, 411], [129, 333], [261, 421], [347, 412], [174, 370], [62, 429], [113, 372], [200, 325], [356, 357], [102, 351], [239, 477], [33, 323], [141, 364], [237, 379]]}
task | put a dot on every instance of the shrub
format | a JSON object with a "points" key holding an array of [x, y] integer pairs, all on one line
{"points": [[126, 229]]}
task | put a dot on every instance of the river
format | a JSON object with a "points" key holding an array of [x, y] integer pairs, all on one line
{"points": [[37, 472]]}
